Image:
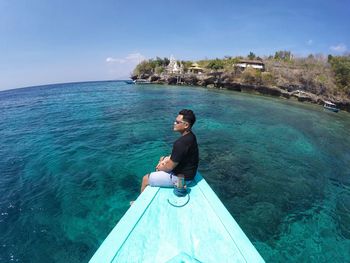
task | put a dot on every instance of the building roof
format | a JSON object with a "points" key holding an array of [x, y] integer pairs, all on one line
{"points": [[195, 66], [251, 61]]}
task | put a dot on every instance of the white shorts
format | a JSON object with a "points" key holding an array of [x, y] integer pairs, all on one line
{"points": [[163, 179]]}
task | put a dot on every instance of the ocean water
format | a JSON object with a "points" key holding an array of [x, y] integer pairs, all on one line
{"points": [[72, 157]]}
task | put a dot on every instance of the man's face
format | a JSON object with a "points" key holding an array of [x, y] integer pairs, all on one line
{"points": [[179, 124]]}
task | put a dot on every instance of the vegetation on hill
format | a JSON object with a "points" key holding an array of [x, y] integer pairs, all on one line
{"points": [[341, 68], [316, 74], [151, 66]]}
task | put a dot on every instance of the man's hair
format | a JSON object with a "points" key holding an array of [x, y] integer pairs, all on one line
{"points": [[188, 116]]}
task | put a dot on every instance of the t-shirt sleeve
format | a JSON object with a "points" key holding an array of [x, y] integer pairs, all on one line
{"points": [[178, 152]]}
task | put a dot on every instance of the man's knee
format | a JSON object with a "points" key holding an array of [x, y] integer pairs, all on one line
{"points": [[145, 179]]}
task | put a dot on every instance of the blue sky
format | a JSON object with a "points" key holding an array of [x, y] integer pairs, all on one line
{"points": [[51, 41]]}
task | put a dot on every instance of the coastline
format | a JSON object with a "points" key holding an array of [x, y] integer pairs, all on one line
{"points": [[218, 80]]}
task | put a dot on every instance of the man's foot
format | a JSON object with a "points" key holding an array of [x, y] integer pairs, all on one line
{"points": [[131, 203]]}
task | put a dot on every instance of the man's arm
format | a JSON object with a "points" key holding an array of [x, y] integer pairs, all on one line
{"points": [[167, 166]]}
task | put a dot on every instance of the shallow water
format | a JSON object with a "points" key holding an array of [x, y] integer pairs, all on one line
{"points": [[72, 157]]}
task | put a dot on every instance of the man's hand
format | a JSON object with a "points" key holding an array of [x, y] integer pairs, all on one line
{"points": [[162, 161], [165, 164]]}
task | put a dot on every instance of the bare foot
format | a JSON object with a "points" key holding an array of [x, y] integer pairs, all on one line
{"points": [[131, 203]]}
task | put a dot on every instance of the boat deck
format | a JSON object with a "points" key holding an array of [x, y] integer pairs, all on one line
{"points": [[153, 230]]}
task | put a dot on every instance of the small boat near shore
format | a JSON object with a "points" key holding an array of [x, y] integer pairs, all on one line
{"points": [[162, 227], [129, 81], [330, 106], [141, 81]]}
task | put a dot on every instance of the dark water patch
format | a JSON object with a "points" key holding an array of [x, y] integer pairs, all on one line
{"points": [[343, 212]]}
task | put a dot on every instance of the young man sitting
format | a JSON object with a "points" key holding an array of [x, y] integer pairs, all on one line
{"points": [[184, 158]]}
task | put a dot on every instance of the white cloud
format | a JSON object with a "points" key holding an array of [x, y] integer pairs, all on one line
{"points": [[135, 57], [339, 48], [309, 42], [115, 60], [121, 68], [131, 58]]}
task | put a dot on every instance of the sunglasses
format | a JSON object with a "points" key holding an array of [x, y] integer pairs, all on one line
{"points": [[178, 122]]}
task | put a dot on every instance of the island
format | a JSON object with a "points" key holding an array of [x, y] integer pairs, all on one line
{"points": [[315, 78]]}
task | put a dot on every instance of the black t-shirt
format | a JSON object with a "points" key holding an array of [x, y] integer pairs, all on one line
{"points": [[185, 153]]}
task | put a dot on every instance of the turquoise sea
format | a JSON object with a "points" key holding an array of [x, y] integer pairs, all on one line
{"points": [[72, 157]]}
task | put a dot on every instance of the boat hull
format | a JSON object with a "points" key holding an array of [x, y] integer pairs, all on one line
{"points": [[154, 230], [331, 109]]}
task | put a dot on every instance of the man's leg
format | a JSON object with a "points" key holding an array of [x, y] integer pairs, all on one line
{"points": [[144, 182], [160, 179]]}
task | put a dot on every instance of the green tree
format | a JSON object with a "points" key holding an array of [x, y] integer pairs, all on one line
{"points": [[329, 58], [145, 67], [251, 56], [341, 68], [216, 64], [163, 62], [186, 64], [151, 66], [159, 70], [283, 55]]}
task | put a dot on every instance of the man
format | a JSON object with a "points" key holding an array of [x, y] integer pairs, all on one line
{"points": [[183, 161]]}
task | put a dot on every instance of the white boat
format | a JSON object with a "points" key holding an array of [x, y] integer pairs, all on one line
{"points": [[330, 106], [161, 227], [141, 81]]}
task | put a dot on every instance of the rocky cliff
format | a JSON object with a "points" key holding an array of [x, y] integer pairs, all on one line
{"points": [[225, 81]]}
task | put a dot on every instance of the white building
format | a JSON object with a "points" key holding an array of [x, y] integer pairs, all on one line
{"points": [[173, 67], [256, 64]]}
